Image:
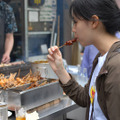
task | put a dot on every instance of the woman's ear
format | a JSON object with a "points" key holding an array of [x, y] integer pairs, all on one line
{"points": [[95, 21]]}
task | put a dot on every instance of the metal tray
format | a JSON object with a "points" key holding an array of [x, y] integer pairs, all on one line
{"points": [[25, 68], [33, 97]]}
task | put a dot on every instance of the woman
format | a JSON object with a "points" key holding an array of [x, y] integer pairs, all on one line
{"points": [[95, 23]]}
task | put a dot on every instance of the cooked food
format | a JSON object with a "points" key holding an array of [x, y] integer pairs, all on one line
{"points": [[3, 65], [36, 84], [14, 81], [12, 63], [41, 61], [69, 42]]}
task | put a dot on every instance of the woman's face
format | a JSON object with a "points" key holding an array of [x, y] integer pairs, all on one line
{"points": [[82, 31]]}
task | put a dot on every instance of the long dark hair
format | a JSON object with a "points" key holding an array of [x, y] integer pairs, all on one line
{"points": [[107, 11]]}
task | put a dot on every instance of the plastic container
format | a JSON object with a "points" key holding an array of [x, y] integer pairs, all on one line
{"points": [[3, 111]]}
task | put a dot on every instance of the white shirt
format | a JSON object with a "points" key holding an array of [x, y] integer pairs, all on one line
{"points": [[97, 114]]}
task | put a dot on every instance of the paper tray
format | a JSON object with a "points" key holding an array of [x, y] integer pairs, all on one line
{"points": [[33, 97]]}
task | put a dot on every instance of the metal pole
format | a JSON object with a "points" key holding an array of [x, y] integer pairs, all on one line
{"points": [[26, 29]]}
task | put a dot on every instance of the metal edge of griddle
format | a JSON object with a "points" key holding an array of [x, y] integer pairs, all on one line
{"points": [[18, 88], [17, 66], [34, 88], [22, 88], [35, 96], [41, 95]]}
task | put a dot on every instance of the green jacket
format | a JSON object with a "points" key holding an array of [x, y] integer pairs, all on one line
{"points": [[107, 85]]}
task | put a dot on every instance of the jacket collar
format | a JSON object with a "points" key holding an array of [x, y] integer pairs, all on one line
{"points": [[110, 54]]}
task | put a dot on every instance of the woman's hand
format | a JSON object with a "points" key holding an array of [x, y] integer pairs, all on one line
{"points": [[55, 59], [56, 62]]}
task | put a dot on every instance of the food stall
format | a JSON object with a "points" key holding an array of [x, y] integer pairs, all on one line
{"points": [[27, 83], [36, 94]]}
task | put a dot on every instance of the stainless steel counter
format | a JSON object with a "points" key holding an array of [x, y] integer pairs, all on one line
{"points": [[57, 111]]}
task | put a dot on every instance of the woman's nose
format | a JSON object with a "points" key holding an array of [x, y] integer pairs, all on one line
{"points": [[73, 29]]}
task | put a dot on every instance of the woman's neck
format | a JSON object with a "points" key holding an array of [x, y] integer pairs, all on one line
{"points": [[104, 42]]}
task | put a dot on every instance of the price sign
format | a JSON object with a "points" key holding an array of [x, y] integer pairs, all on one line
{"points": [[36, 3]]}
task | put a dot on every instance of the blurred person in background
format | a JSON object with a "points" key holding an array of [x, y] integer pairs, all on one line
{"points": [[88, 56], [7, 28], [95, 23]]}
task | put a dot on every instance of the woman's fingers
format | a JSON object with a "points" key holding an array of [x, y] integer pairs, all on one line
{"points": [[57, 50], [50, 51], [50, 57], [54, 52]]}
